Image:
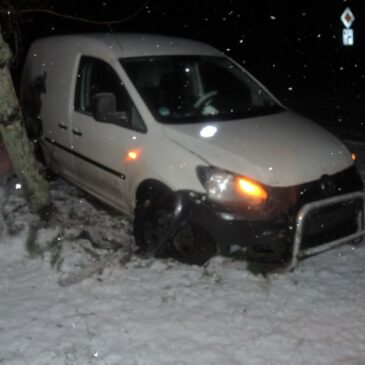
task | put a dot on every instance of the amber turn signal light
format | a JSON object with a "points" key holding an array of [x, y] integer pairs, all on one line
{"points": [[251, 188]]}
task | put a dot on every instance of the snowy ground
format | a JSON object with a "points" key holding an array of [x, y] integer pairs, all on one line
{"points": [[72, 292]]}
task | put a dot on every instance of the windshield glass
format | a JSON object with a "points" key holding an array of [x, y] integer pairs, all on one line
{"points": [[186, 89]]}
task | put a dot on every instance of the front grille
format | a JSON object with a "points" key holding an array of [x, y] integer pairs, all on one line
{"points": [[330, 223], [343, 182], [289, 200]]}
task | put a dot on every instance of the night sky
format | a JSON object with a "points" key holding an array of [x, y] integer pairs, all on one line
{"points": [[293, 47]]}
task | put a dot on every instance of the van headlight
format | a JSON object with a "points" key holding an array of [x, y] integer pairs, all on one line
{"points": [[225, 187]]}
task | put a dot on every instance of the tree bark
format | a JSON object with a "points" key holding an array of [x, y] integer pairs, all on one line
{"points": [[15, 139]]}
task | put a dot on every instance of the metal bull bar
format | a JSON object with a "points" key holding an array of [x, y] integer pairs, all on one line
{"points": [[303, 213]]}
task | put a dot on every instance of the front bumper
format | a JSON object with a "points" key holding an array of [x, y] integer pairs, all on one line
{"points": [[318, 226], [300, 221]]}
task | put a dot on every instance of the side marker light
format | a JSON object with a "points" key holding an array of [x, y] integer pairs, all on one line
{"points": [[132, 155]]}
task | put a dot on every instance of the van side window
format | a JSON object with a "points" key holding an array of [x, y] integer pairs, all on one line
{"points": [[96, 76]]}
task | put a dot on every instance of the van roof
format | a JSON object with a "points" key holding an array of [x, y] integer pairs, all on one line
{"points": [[126, 45]]}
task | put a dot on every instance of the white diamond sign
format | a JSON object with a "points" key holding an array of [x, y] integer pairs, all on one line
{"points": [[347, 18]]}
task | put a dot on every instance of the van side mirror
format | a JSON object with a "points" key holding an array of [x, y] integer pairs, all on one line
{"points": [[104, 109]]}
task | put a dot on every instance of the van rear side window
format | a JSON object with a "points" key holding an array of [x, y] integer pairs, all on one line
{"points": [[96, 76]]}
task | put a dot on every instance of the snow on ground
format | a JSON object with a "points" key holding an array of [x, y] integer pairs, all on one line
{"points": [[73, 292]]}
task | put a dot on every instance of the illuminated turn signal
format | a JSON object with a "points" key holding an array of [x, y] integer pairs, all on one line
{"points": [[353, 156], [248, 187]]}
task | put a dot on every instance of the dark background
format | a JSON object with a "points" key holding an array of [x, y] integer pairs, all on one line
{"points": [[293, 47]]}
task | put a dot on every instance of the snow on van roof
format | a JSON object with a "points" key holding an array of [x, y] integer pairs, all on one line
{"points": [[125, 45]]}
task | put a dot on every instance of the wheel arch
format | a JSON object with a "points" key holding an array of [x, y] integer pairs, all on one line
{"points": [[150, 187]]}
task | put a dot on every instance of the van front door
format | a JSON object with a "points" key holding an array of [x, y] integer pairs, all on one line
{"points": [[101, 147]]}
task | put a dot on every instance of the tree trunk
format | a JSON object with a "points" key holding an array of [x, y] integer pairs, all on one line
{"points": [[15, 139]]}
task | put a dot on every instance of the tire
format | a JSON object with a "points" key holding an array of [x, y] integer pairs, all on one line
{"points": [[159, 233]]}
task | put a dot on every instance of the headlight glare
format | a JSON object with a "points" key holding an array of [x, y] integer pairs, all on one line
{"points": [[225, 187]]}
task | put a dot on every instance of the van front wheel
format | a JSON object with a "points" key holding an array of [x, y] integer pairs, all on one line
{"points": [[159, 232]]}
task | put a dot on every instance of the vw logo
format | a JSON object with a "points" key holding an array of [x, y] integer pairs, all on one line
{"points": [[327, 185]]}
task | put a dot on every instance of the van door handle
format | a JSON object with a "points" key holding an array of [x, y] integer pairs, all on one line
{"points": [[76, 132], [62, 126]]}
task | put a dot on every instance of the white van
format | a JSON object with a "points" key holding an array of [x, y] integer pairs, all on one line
{"points": [[181, 138]]}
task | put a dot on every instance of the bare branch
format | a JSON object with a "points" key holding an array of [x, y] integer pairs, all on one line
{"points": [[12, 16], [75, 18]]}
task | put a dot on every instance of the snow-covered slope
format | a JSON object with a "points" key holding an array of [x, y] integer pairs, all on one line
{"points": [[88, 300]]}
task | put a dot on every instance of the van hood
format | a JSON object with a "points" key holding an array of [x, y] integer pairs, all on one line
{"points": [[283, 149]]}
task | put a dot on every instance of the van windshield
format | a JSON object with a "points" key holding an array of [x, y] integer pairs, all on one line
{"points": [[187, 89]]}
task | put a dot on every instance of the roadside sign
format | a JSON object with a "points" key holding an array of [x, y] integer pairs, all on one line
{"points": [[348, 37], [347, 18]]}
